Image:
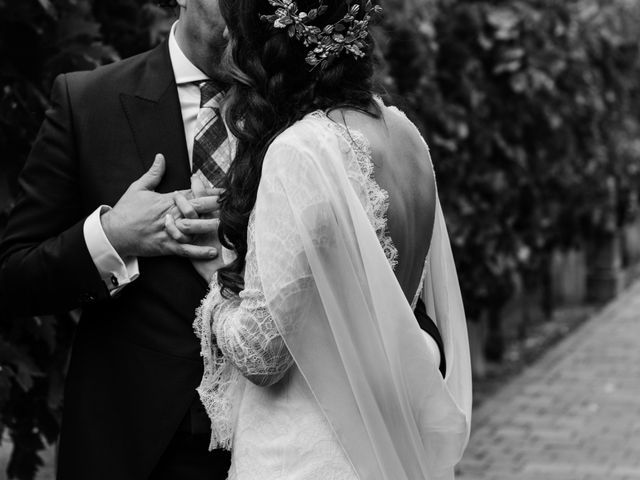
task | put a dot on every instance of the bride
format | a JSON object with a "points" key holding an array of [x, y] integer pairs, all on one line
{"points": [[315, 366]]}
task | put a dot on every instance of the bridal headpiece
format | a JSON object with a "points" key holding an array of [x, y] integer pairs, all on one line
{"points": [[347, 35]]}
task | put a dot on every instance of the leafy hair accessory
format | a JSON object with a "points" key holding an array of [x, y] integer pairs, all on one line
{"points": [[347, 35]]}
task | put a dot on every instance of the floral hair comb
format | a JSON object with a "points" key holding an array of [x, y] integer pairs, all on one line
{"points": [[347, 35]]}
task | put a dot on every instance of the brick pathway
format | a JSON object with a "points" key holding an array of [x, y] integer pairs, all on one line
{"points": [[574, 415]]}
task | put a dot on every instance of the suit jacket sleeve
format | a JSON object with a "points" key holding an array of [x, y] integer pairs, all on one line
{"points": [[45, 266]]}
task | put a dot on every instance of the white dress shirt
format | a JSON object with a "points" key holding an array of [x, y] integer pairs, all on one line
{"points": [[117, 272]]}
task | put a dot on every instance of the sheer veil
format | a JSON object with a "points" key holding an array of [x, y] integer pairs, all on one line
{"points": [[347, 323]]}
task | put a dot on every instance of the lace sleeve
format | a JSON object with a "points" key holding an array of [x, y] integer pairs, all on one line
{"points": [[244, 327], [246, 333], [239, 336]]}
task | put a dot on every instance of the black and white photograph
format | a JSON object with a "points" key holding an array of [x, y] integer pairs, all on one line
{"points": [[319, 240]]}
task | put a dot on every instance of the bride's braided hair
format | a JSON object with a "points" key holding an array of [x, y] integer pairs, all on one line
{"points": [[274, 88]]}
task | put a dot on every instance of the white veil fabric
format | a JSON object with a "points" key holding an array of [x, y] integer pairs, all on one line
{"points": [[348, 325]]}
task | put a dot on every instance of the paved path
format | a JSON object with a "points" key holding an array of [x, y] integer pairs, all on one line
{"points": [[574, 415]]}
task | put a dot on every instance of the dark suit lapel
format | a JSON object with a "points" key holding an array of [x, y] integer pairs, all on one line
{"points": [[155, 119]]}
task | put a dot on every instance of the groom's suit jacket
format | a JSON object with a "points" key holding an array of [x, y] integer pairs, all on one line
{"points": [[135, 362]]}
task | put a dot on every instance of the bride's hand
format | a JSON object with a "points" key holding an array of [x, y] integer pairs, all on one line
{"points": [[197, 224]]}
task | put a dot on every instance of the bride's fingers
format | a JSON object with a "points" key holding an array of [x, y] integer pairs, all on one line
{"points": [[185, 207], [197, 227], [173, 231], [194, 252], [198, 186], [205, 205], [214, 192]]}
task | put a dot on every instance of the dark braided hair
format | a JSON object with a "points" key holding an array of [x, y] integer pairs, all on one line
{"points": [[273, 88]]}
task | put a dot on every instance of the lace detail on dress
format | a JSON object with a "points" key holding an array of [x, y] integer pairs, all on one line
{"points": [[247, 345], [377, 204], [220, 387], [245, 331]]}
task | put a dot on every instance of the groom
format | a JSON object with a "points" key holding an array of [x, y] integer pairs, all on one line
{"points": [[88, 231]]}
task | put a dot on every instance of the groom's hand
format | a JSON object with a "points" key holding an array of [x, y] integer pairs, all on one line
{"points": [[199, 223], [136, 224]]}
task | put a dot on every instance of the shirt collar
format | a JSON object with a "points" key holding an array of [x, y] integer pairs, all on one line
{"points": [[183, 69]]}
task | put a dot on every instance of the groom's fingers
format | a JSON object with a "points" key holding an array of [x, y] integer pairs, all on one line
{"points": [[180, 245], [152, 177], [185, 206], [173, 231], [197, 227]]}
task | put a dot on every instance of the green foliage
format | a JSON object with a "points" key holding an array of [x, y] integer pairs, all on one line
{"points": [[38, 40], [529, 106]]}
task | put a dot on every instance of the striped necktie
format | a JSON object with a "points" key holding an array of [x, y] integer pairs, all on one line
{"points": [[211, 152]]}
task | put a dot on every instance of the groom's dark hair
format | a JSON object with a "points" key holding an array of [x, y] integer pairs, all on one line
{"points": [[273, 88]]}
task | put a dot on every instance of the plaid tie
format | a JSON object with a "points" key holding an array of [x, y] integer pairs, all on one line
{"points": [[211, 153]]}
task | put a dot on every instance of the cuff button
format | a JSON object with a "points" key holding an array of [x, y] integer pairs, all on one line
{"points": [[114, 281], [86, 298]]}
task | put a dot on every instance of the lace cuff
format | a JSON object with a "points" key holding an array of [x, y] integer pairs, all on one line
{"points": [[222, 384]]}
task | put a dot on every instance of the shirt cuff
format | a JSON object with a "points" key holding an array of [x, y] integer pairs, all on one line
{"points": [[115, 271]]}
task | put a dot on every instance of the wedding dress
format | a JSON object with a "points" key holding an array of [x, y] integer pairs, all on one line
{"points": [[318, 369]]}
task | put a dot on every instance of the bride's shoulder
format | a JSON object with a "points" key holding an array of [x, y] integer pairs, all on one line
{"points": [[401, 120], [295, 148], [309, 137], [304, 132], [407, 137]]}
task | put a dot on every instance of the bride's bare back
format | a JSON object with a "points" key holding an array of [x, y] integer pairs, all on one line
{"points": [[403, 168]]}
